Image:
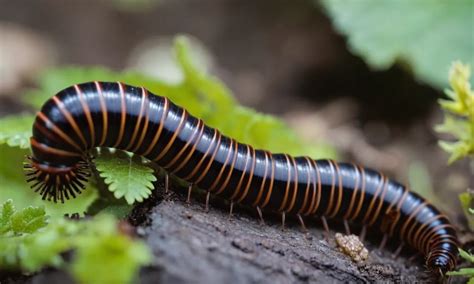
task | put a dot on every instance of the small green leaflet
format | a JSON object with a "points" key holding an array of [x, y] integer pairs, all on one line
{"points": [[466, 271], [29, 243], [15, 130], [25, 221], [459, 114], [126, 175]]}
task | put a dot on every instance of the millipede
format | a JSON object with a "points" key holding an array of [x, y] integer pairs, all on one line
{"points": [[112, 114]]}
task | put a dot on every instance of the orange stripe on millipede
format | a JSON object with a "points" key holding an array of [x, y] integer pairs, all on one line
{"points": [[295, 189], [272, 179], [87, 113], [353, 195], [51, 150], [70, 119], [211, 160], [252, 170], [424, 236], [264, 179], [362, 195], [231, 169], [145, 126], [319, 186], [419, 232], [389, 210], [399, 205], [337, 206], [333, 187], [183, 149], [193, 149], [164, 115], [221, 171], [193, 172], [103, 109], [411, 216], [123, 115], [58, 131], [368, 212], [308, 185], [139, 120], [379, 207], [175, 134], [237, 189], [287, 186]]}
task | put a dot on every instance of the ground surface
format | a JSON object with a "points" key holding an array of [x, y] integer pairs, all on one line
{"points": [[194, 246], [277, 58]]}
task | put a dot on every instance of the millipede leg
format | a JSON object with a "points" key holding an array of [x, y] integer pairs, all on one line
{"points": [[413, 257], [363, 232], [326, 228], [231, 209], [190, 188], [383, 242], [208, 194], [398, 250], [259, 211], [346, 226], [302, 223], [283, 217], [167, 182]]}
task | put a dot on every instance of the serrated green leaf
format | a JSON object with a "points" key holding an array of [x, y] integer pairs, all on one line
{"points": [[425, 35], [6, 212], [461, 104], [99, 248], [126, 176], [456, 127], [15, 130], [28, 220]]}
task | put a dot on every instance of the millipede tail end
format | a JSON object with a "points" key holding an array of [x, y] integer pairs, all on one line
{"points": [[56, 183]]}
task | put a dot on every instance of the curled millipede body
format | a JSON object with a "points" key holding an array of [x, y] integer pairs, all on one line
{"points": [[104, 114]]}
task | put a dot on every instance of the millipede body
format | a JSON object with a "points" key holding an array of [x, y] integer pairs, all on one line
{"points": [[105, 114]]}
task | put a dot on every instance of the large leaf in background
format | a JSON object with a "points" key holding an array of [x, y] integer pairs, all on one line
{"points": [[425, 35], [15, 130], [125, 175]]}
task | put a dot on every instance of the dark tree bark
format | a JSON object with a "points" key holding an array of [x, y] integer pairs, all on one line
{"points": [[192, 246]]}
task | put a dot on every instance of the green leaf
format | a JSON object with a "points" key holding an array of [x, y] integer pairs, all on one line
{"points": [[15, 130], [467, 256], [461, 104], [126, 175], [468, 272], [28, 220], [103, 251], [7, 210], [99, 246], [424, 35], [467, 203]]}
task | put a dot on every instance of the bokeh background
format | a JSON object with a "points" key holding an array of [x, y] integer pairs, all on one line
{"points": [[280, 57]]}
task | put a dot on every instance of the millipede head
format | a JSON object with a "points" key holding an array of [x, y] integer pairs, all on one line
{"points": [[440, 264], [56, 183]]}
